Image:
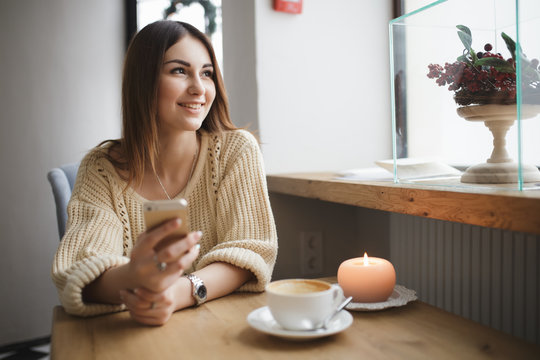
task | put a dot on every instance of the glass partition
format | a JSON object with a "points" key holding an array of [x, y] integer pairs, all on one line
{"points": [[466, 94]]}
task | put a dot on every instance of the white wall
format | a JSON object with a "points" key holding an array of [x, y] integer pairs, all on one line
{"points": [[315, 87], [60, 67], [323, 85]]}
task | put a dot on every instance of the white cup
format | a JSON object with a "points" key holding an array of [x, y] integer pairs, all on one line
{"points": [[302, 304]]}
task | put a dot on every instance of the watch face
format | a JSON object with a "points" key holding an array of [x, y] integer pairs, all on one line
{"points": [[201, 292]]}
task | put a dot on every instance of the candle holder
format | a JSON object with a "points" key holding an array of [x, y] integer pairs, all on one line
{"points": [[367, 279]]}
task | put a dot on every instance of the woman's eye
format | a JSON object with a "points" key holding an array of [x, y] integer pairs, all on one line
{"points": [[178, 71], [208, 73]]}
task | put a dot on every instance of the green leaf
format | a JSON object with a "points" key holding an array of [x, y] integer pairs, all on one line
{"points": [[510, 44], [466, 39], [499, 64], [464, 29]]}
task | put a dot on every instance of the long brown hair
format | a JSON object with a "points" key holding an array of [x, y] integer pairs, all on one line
{"points": [[142, 68]]}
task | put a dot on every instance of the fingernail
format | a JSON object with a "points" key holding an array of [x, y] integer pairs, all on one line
{"points": [[179, 221], [198, 246], [199, 235]]}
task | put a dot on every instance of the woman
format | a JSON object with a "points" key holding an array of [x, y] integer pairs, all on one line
{"points": [[177, 142]]}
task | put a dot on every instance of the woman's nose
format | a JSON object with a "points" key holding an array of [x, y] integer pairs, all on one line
{"points": [[196, 87]]}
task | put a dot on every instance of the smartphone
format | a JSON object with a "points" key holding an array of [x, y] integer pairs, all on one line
{"points": [[159, 211]]}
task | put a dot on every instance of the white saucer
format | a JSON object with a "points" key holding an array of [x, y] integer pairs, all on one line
{"points": [[261, 319], [400, 296]]}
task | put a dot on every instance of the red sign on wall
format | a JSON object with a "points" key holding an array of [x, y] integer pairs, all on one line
{"points": [[288, 6]]}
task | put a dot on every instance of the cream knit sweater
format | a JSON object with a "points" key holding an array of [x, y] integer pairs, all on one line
{"points": [[228, 202]]}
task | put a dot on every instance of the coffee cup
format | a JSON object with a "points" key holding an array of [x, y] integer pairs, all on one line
{"points": [[302, 304]]}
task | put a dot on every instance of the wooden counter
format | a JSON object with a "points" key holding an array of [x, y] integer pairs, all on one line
{"points": [[219, 330], [503, 209]]}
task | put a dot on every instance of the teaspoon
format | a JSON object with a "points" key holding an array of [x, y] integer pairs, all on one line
{"points": [[339, 308]]}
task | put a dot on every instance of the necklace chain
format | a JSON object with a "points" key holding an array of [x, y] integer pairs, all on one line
{"points": [[189, 178]]}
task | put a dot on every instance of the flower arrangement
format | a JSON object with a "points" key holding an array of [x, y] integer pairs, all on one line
{"points": [[486, 77]]}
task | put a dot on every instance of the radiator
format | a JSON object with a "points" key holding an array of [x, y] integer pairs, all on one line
{"points": [[487, 275]]}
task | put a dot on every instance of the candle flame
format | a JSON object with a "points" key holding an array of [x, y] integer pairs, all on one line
{"points": [[366, 259]]}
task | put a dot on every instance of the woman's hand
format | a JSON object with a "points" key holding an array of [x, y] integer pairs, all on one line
{"points": [[157, 271], [156, 307], [148, 307]]}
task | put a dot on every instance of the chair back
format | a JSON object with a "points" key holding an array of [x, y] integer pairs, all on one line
{"points": [[62, 180]]}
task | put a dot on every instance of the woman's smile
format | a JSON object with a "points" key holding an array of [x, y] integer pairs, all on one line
{"points": [[192, 106]]}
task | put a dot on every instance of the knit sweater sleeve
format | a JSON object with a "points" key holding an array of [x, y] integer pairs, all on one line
{"points": [[93, 242], [245, 226]]}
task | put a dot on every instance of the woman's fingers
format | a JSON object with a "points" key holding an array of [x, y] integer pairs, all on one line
{"points": [[152, 237], [134, 302], [175, 268], [149, 296], [178, 249], [148, 307], [186, 260], [144, 261], [156, 271]]}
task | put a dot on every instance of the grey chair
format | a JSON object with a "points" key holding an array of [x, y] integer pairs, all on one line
{"points": [[62, 180]]}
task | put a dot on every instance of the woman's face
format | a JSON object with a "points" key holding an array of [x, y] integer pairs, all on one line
{"points": [[186, 90]]}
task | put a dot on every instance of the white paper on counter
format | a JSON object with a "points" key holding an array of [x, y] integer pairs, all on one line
{"points": [[415, 168], [407, 169]]}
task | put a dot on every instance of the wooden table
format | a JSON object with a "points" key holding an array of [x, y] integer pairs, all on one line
{"points": [[497, 208], [219, 330]]}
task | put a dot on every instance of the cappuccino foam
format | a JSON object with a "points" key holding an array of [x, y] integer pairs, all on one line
{"points": [[299, 287]]}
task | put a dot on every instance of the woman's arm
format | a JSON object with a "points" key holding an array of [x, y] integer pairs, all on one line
{"points": [[154, 308], [220, 279], [94, 238]]}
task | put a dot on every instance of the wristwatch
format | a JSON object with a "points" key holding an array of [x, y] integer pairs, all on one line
{"points": [[198, 290]]}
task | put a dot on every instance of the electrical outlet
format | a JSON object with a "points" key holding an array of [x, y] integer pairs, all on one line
{"points": [[311, 252]]}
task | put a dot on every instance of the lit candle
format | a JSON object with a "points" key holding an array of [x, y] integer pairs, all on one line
{"points": [[367, 279]]}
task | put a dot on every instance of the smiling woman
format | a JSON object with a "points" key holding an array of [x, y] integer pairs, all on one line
{"points": [[178, 142]]}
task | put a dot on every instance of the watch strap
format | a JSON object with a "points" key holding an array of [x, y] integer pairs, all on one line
{"points": [[198, 289]]}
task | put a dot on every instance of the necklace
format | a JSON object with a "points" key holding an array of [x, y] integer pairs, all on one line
{"points": [[190, 173]]}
